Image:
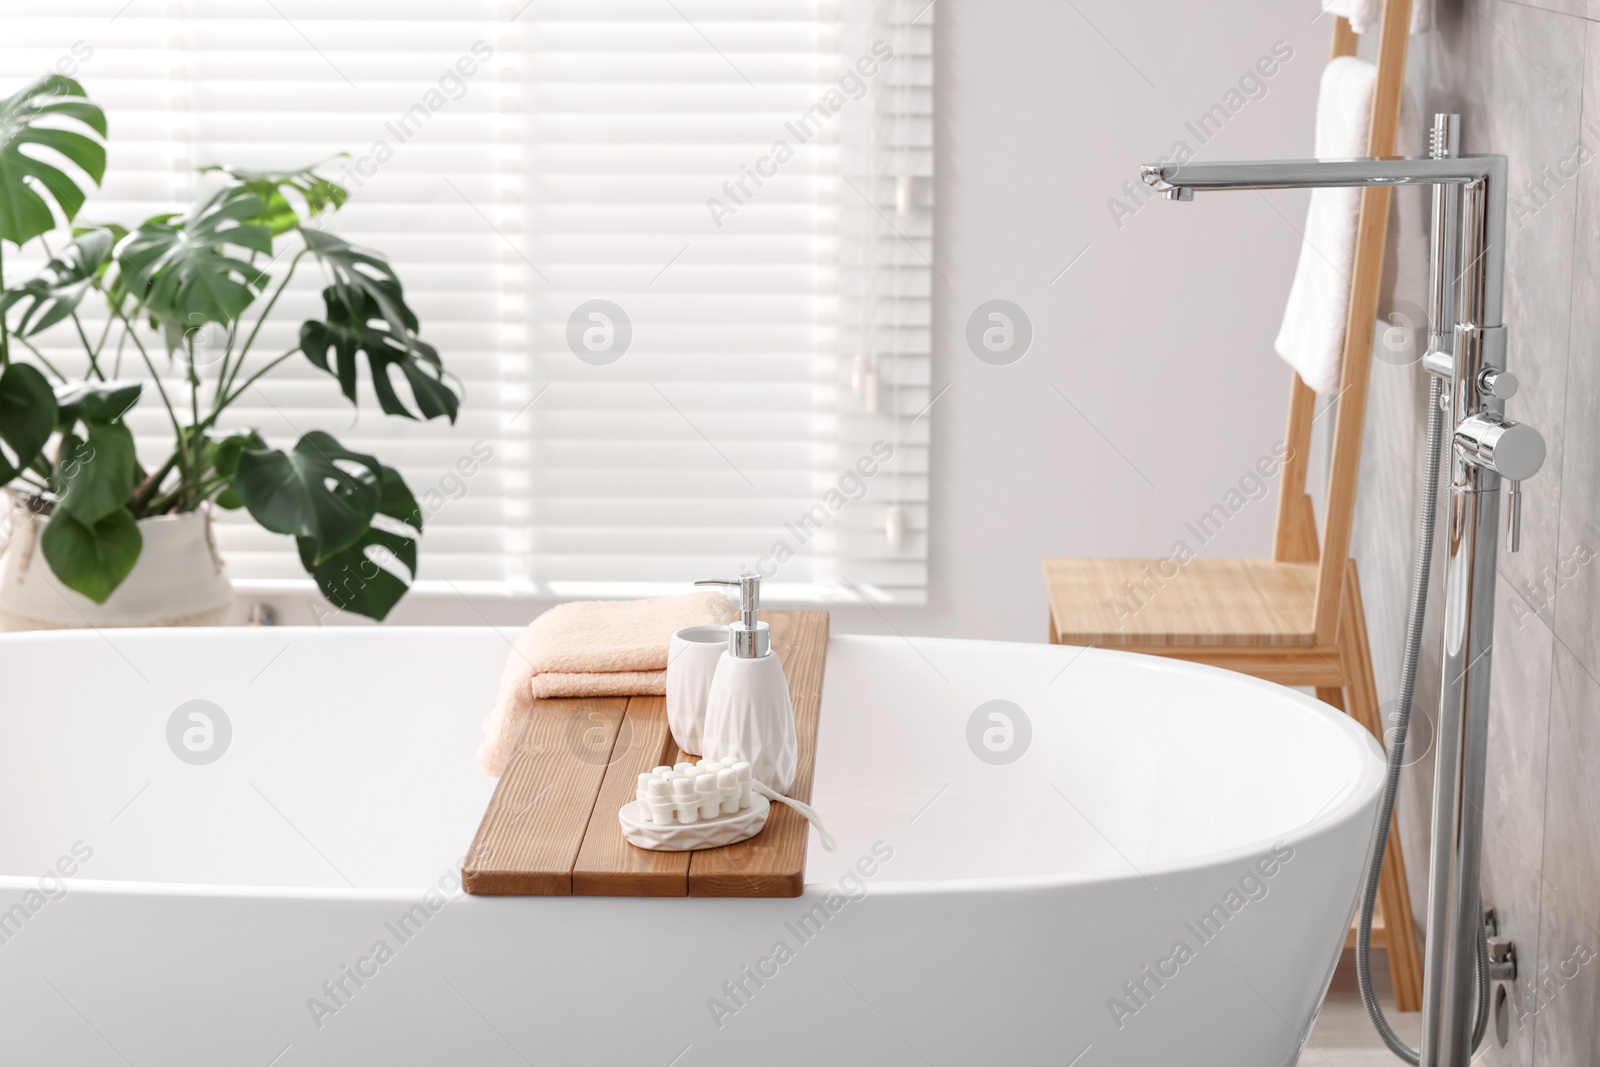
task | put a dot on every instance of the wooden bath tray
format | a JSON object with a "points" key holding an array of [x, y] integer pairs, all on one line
{"points": [[551, 826]]}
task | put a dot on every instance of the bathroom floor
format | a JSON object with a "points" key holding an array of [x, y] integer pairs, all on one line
{"points": [[1343, 1036]]}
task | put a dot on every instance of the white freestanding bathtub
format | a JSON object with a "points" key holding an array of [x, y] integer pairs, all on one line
{"points": [[1148, 863]]}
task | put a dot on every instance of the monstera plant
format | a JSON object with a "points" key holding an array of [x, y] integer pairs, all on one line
{"points": [[186, 295]]}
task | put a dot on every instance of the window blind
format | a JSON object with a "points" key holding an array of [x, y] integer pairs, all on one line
{"points": [[678, 254]]}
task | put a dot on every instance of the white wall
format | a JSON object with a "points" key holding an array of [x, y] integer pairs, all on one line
{"points": [[1161, 334]]}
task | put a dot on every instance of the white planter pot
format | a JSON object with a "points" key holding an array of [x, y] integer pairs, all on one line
{"points": [[179, 580]]}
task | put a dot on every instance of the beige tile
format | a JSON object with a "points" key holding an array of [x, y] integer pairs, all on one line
{"points": [[1514, 800], [1535, 114], [1564, 989], [1525, 75], [1564, 7], [1574, 582]]}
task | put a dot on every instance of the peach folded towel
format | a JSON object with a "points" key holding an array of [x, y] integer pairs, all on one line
{"points": [[590, 649]]}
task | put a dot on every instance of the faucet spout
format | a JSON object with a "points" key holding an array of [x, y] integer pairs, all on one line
{"points": [[1484, 178], [1173, 180]]}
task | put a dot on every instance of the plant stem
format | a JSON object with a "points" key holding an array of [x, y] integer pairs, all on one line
{"points": [[248, 382], [194, 409], [142, 494], [38, 355], [41, 466], [183, 466], [227, 354], [104, 333], [5, 332], [238, 364], [88, 349], [161, 504], [116, 368]]}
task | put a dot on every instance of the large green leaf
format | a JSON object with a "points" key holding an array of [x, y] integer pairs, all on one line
{"points": [[367, 311], [92, 559], [30, 181], [278, 214], [55, 292], [320, 490], [94, 401], [97, 473], [177, 265], [363, 280], [356, 579], [27, 417], [337, 344]]}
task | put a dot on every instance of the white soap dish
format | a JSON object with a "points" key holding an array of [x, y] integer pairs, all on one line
{"points": [[703, 805], [742, 825]]}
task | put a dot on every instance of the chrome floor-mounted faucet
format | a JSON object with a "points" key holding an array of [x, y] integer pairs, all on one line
{"points": [[1467, 277]]}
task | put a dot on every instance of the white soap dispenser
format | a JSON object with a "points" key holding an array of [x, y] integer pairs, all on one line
{"points": [[748, 713]]}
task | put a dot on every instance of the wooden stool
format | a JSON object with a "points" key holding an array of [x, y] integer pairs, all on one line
{"points": [[1296, 618]]}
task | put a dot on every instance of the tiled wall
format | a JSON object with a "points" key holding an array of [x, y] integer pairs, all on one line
{"points": [[1525, 77]]}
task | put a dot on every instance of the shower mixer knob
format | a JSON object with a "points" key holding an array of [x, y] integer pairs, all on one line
{"points": [[1513, 450], [1501, 384]]}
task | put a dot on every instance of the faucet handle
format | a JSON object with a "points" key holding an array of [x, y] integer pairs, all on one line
{"points": [[1513, 450], [1514, 517], [1501, 384]]}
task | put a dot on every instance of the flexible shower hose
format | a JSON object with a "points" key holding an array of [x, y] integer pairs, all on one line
{"points": [[1396, 760]]}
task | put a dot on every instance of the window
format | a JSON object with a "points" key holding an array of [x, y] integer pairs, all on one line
{"points": [[678, 253]]}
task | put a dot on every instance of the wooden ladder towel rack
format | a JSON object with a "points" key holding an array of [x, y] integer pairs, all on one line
{"points": [[1296, 618]]}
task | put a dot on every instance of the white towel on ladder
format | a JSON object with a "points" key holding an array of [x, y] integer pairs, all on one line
{"points": [[1311, 339], [1365, 14]]}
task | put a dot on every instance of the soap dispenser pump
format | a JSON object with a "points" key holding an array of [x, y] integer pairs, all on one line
{"points": [[748, 712]]}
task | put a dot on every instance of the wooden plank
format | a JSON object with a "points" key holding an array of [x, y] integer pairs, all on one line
{"points": [[1294, 536], [1345, 40], [551, 830], [1366, 279], [773, 863], [607, 866], [1380, 932], [534, 826], [1286, 666], [1145, 604]]}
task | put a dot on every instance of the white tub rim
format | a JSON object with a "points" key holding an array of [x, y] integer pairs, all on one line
{"points": [[1354, 802]]}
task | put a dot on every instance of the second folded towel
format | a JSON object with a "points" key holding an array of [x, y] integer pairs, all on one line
{"points": [[591, 649]]}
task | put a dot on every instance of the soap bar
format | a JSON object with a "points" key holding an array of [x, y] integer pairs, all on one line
{"points": [[705, 788], [689, 793]]}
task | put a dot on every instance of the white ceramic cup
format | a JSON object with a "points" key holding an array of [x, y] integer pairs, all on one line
{"points": [[692, 659]]}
